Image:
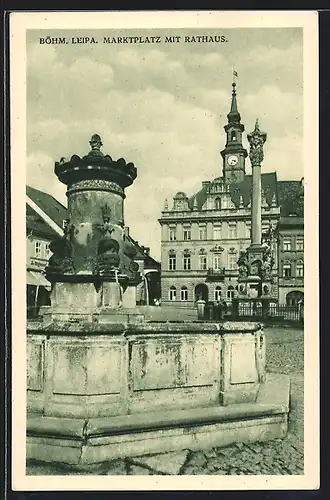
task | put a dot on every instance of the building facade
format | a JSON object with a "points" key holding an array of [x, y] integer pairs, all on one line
{"points": [[291, 243], [44, 222], [202, 236]]}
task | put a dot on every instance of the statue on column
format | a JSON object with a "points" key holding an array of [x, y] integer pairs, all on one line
{"points": [[243, 265], [256, 139], [267, 264]]}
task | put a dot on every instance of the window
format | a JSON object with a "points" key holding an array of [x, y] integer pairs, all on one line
{"points": [[217, 293], [38, 249], [184, 293], [202, 232], [233, 136], [218, 203], [232, 261], [172, 233], [232, 230], [230, 292], [300, 243], [172, 293], [216, 262], [287, 270], [187, 233], [202, 262], [186, 261], [47, 251], [217, 232], [286, 244], [300, 269], [172, 262]]}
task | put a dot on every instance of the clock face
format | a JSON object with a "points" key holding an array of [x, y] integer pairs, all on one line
{"points": [[232, 160]]}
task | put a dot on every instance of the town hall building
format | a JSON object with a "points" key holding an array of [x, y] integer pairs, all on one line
{"points": [[202, 236]]}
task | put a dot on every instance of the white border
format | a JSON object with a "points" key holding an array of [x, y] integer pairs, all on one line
{"points": [[19, 23]]}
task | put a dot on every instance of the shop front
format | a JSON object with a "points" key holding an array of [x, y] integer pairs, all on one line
{"points": [[37, 287]]}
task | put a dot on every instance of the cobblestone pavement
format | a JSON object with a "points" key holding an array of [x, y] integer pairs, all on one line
{"points": [[276, 457]]}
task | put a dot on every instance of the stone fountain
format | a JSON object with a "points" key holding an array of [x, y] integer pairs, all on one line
{"points": [[102, 382]]}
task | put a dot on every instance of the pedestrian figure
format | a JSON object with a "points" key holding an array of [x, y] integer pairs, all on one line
{"points": [[224, 309]]}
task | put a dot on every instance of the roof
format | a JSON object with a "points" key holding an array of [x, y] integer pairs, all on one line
{"points": [[291, 221], [48, 204], [244, 189], [291, 198], [142, 254], [37, 225]]}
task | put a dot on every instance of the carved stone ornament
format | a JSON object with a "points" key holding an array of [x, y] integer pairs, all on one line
{"points": [[108, 259], [267, 264], [95, 185], [256, 139], [243, 265], [95, 144], [61, 261], [217, 249]]}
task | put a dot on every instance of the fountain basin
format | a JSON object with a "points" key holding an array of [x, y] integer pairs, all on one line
{"points": [[101, 391]]}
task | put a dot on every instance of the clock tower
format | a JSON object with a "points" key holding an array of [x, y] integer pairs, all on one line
{"points": [[234, 153]]}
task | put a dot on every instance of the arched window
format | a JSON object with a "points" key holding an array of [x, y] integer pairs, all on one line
{"points": [[300, 269], [230, 292], [172, 260], [184, 293], [186, 260], [218, 203], [217, 293], [233, 136], [287, 269], [172, 293]]}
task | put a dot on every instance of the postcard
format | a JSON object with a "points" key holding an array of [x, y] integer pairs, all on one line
{"points": [[164, 174]]}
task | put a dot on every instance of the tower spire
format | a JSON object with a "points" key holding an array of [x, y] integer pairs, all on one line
{"points": [[233, 115], [234, 153]]}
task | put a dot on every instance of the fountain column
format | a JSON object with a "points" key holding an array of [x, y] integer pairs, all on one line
{"points": [[92, 264]]}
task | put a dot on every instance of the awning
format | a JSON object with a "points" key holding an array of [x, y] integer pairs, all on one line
{"points": [[37, 279]]}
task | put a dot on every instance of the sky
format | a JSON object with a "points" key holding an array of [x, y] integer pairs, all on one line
{"points": [[163, 107]]}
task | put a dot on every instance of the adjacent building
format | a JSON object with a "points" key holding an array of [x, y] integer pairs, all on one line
{"points": [[202, 235], [44, 222], [291, 243]]}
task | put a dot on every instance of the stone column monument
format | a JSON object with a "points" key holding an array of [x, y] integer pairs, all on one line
{"points": [[255, 265], [256, 140], [91, 269]]}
